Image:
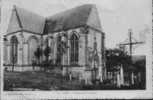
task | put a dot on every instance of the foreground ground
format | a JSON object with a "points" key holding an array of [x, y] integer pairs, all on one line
{"points": [[39, 80], [48, 81]]}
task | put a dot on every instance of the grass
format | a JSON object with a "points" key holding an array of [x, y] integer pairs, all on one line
{"points": [[38, 80], [51, 81]]}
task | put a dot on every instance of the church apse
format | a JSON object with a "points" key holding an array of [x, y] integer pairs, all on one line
{"points": [[73, 46]]}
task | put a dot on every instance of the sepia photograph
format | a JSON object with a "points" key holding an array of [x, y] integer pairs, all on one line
{"points": [[87, 45]]}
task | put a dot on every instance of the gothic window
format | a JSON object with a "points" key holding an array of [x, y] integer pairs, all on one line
{"points": [[74, 50], [32, 44], [14, 49], [5, 50]]}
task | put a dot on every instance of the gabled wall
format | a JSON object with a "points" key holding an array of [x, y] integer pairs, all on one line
{"points": [[14, 23]]}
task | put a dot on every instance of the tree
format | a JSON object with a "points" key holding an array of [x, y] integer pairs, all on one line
{"points": [[38, 54], [116, 57], [46, 52]]}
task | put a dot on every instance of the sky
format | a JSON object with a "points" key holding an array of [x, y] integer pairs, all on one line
{"points": [[116, 16]]}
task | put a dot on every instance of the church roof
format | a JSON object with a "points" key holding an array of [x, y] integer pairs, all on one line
{"points": [[72, 18], [26, 20]]}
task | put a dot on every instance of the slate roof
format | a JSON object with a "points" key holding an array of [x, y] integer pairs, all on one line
{"points": [[29, 21], [72, 18]]}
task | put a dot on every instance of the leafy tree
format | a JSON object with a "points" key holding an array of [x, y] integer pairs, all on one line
{"points": [[46, 52], [38, 54], [115, 57]]}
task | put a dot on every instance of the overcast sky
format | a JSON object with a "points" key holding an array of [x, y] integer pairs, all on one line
{"points": [[116, 16]]}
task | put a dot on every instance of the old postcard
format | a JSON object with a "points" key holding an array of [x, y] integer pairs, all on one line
{"points": [[76, 49]]}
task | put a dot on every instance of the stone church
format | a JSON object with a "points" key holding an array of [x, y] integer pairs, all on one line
{"points": [[76, 32]]}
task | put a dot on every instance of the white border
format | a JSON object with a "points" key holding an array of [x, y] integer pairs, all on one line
{"points": [[128, 94]]}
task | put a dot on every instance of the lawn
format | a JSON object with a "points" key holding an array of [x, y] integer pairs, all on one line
{"points": [[53, 80], [39, 80]]}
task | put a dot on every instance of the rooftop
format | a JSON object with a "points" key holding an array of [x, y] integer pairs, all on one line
{"points": [[75, 17], [72, 18], [26, 20]]}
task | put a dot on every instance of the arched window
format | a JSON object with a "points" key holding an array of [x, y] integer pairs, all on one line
{"points": [[14, 49], [74, 50], [32, 47]]}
